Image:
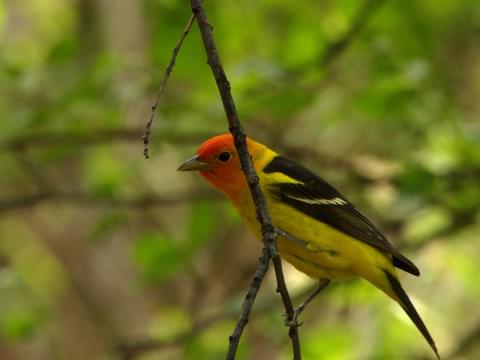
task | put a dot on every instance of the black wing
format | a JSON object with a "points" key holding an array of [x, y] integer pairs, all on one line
{"points": [[318, 199]]}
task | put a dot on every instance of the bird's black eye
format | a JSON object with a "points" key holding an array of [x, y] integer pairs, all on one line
{"points": [[224, 156]]}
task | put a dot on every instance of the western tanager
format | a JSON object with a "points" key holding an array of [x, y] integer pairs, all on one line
{"points": [[320, 232]]}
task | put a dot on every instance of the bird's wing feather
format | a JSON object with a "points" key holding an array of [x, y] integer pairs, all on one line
{"points": [[314, 197]]}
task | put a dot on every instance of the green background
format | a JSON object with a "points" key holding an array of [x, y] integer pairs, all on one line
{"points": [[106, 255]]}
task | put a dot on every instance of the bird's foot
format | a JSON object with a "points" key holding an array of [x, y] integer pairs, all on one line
{"points": [[293, 322]]}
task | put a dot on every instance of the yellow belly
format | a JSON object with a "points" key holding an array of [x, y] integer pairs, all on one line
{"points": [[317, 249]]}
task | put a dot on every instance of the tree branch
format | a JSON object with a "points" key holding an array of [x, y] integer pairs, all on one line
{"points": [[90, 199], [48, 139], [268, 231]]}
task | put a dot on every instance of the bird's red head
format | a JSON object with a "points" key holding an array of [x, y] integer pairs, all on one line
{"points": [[218, 162]]}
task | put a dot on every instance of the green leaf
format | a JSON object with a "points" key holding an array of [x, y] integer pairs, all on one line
{"points": [[104, 172], [202, 225], [211, 343], [417, 180], [333, 343], [156, 256], [171, 322], [18, 324]]}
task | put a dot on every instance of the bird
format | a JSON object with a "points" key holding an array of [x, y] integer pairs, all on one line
{"points": [[319, 231]]}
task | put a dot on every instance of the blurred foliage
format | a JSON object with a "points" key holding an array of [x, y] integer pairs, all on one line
{"points": [[106, 255], [159, 257]]}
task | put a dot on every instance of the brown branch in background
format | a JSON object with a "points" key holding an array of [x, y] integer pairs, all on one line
{"points": [[268, 231], [90, 199], [49, 139], [163, 83]]}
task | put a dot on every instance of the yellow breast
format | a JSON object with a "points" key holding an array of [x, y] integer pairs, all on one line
{"points": [[313, 247]]}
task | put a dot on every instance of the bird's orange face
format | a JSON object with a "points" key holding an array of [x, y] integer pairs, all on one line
{"points": [[218, 162]]}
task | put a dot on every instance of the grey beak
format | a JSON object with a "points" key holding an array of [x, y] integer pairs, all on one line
{"points": [[194, 164]]}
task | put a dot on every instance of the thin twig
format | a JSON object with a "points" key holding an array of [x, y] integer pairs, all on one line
{"points": [[163, 83], [268, 231], [247, 304]]}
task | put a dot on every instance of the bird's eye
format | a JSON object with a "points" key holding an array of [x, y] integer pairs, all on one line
{"points": [[224, 156]]}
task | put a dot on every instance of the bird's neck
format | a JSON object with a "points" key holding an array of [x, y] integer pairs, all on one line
{"points": [[239, 193]]}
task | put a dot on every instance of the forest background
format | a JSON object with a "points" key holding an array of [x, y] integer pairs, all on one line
{"points": [[106, 255]]}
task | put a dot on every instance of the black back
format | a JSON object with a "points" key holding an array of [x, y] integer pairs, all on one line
{"points": [[332, 208]]}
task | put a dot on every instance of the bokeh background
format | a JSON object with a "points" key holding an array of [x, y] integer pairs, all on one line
{"points": [[106, 255]]}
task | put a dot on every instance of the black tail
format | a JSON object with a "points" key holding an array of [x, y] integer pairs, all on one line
{"points": [[410, 310]]}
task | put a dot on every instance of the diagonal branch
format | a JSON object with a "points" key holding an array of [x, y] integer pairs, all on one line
{"points": [[163, 83], [268, 231]]}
